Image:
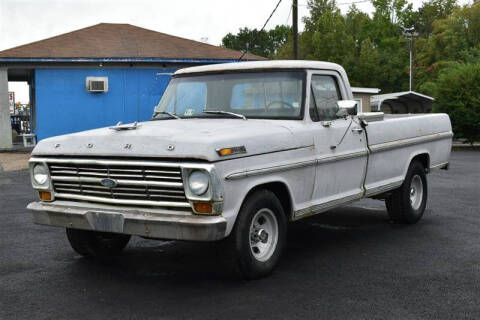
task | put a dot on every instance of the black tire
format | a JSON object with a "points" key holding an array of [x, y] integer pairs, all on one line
{"points": [[97, 244], [260, 202], [399, 206]]}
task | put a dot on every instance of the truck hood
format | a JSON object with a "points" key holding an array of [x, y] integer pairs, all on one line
{"points": [[185, 138]]}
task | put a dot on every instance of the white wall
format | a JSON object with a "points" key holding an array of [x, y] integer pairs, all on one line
{"points": [[5, 126]]}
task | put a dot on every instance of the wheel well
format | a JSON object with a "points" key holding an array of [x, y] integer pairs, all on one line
{"points": [[424, 159], [281, 191]]}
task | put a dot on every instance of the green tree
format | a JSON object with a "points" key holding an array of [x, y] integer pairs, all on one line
{"points": [[389, 18], [262, 43], [397, 12], [372, 50], [325, 36], [430, 12], [330, 40], [457, 92], [357, 24], [455, 38], [363, 70]]}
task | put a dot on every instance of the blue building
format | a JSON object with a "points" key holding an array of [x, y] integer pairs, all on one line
{"points": [[97, 76]]}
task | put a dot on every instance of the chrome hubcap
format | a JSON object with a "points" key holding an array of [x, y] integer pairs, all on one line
{"points": [[416, 192], [263, 234]]}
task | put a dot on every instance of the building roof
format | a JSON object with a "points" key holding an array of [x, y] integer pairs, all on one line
{"points": [[365, 90], [120, 42]]}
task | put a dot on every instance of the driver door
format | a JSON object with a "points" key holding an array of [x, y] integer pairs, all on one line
{"points": [[340, 143]]}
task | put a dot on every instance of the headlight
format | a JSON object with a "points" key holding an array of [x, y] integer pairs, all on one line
{"points": [[198, 182], [40, 174]]}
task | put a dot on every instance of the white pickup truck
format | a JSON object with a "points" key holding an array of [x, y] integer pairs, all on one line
{"points": [[236, 151]]}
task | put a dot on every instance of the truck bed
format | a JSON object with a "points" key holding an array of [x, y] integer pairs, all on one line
{"points": [[399, 127], [394, 141]]}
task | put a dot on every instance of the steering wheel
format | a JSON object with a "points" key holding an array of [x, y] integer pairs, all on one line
{"points": [[285, 103]]}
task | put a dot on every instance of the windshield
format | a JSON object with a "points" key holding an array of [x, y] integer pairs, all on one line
{"points": [[261, 95]]}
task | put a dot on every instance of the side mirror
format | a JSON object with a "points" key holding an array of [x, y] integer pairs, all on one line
{"points": [[346, 107]]}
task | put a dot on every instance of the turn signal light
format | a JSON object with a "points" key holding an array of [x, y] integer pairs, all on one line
{"points": [[45, 195], [202, 207], [232, 150], [225, 152]]}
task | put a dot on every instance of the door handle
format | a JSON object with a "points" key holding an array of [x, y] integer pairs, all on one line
{"points": [[357, 130], [326, 124]]}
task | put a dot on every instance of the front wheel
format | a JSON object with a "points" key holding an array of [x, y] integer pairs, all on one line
{"points": [[259, 234], [407, 203], [97, 244]]}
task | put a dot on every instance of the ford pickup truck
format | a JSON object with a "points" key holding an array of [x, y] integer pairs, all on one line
{"points": [[236, 151]]}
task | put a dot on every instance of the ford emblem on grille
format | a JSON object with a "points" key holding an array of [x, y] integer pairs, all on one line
{"points": [[109, 183]]}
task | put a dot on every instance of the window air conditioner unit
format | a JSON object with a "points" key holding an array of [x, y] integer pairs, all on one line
{"points": [[97, 84]]}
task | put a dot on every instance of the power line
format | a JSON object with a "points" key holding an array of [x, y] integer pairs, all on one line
{"points": [[353, 2], [264, 25], [289, 13], [340, 4]]}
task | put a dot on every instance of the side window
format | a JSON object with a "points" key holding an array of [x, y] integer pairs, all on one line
{"points": [[325, 95]]}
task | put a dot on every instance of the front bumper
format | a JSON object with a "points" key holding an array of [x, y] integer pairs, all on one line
{"points": [[135, 221]]}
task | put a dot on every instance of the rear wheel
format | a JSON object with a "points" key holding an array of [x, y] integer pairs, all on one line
{"points": [[96, 244], [407, 203], [259, 234]]}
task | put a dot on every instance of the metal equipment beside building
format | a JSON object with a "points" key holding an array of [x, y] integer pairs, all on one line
{"points": [[402, 102]]}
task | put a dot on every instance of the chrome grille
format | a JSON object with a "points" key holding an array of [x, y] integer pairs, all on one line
{"points": [[138, 183]]}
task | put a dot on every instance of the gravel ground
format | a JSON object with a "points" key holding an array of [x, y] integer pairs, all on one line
{"points": [[13, 161]]}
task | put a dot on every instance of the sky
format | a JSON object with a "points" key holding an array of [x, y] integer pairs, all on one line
{"points": [[25, 21]]}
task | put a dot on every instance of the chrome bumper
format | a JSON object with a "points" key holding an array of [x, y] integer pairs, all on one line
{"points": [[154, 224]]}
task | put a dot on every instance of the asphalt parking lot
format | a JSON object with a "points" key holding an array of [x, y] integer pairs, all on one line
{"points": [[347, 263]]}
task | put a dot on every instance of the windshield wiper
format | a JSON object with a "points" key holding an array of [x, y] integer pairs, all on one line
{"points": [[173, 115], [226, 113]]}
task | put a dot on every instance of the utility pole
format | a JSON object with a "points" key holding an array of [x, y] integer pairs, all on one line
{"points": [[295, 28], [411, 34]]}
